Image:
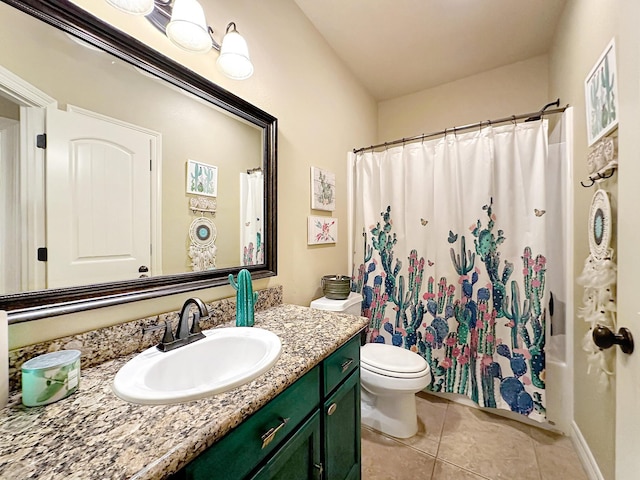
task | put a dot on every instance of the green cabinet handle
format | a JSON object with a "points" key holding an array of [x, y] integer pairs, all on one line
{"points": [[268, 437]]}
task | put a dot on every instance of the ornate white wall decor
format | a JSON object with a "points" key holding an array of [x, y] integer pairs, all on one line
{"points": [[203, 205], [202, 250], [599, 281]]}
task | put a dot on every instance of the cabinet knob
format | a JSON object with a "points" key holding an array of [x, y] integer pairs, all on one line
{"points": [[332, 408]]}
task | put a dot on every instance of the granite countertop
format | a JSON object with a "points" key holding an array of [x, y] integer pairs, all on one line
{"points": [[94, 434]]}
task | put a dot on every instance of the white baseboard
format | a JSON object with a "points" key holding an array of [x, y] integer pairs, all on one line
{"points": [[584, 454]]}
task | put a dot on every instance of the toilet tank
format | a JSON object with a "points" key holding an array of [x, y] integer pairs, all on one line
{"points": [[351, 305]]}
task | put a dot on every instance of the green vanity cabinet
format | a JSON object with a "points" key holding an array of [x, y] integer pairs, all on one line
{"points": [[309, 431]]}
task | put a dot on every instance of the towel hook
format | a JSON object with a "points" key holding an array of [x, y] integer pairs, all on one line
{"points": [[590, 185]]}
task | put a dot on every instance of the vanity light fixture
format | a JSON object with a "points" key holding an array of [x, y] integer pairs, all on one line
{"points": [[184, 23], [188, 27], [133, 7]]}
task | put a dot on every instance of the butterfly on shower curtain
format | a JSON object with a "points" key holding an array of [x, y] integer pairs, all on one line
{"points": [[539, 213], [424, 222]]}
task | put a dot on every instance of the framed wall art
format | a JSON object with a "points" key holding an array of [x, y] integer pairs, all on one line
{"points": [[202, 179], [323, 189], [322, 230], [601, 94]]}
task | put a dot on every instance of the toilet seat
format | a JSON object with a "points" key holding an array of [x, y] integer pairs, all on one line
{"points": [[392, 361]]}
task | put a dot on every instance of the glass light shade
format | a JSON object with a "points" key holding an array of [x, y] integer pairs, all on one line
{"points": [[134, 7], [188, 27], [234, 59]]}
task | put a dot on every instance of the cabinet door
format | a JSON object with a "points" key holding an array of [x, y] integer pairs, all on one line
{"points": [[298, 458], [342, 431]]}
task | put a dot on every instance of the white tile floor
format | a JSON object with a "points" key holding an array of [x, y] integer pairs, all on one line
{"points": [[455, 442]]}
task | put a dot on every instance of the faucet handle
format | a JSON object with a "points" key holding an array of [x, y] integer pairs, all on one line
{"points": [[195, 324], [168, 334]]}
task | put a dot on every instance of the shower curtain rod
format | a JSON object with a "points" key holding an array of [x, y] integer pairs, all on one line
{"points": [[513, 118]]}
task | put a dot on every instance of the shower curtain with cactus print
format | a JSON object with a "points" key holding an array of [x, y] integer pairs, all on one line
{"points": [[449, 240], [252, 217]]}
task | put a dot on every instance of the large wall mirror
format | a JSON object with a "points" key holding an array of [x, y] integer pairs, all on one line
{"points": [[150, 181]]}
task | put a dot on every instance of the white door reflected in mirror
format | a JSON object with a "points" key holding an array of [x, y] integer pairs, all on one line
{"points": [[98, 200]]}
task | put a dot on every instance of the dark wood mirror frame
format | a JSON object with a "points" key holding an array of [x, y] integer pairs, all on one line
{"points": [[70, 18]]}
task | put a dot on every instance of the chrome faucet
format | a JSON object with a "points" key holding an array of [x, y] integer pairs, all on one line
{"points": [[185, 335]]}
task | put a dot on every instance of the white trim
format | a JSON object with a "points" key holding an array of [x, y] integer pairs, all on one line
{"points": [[32, 103], [156, 181], [569, 274], [10, 243], [23, 92], [32, 196], [584, 454], [351, 158]]}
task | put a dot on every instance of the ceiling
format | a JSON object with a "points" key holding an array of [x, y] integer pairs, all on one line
{"points": [[397, 47]]}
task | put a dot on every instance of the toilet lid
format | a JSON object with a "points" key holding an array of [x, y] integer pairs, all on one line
{"points": [[387, 358]]}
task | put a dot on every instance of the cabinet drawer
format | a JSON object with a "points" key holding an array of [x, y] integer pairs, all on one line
{"points": [[299, 458], [239, 452], [340, 364]]}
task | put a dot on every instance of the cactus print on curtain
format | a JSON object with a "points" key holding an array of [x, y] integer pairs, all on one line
{"points": [[453, 267]]}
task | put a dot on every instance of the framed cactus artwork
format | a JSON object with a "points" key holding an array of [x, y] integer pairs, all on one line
{"points": [[202, 179], [323, 189], [322, 230], [601, 94]]}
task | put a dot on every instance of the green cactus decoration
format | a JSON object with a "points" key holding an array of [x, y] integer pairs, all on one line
{"points": [[460, 262], [245, 298], [518, 316], [487, 248]]}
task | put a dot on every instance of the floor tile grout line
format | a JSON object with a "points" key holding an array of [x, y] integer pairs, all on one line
{"points": [[535, 451], [396, 440], [462, 468], [446, 461], [444, 421]]}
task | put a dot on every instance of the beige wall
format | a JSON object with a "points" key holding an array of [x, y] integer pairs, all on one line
{"points": [[583, 32], [322, 113], [517, 88], [8, 109]]}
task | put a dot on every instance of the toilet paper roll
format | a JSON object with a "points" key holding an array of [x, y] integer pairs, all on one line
{"points": [[4, 359]]}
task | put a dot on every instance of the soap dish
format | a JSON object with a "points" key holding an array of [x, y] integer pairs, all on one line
{"points": [[50, 377]]}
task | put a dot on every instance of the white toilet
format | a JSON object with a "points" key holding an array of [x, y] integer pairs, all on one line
{"points": [[390, 377]]}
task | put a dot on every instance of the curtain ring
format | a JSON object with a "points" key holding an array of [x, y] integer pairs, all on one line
{"points": [[445, 132], [513, 119], [455, 133], [385, 146], [423, 138]]}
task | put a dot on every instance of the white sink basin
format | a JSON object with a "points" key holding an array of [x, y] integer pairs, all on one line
{"points": [[224, 359]]}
